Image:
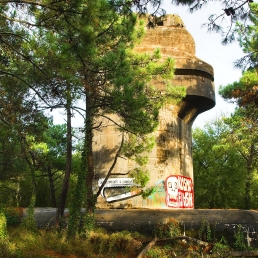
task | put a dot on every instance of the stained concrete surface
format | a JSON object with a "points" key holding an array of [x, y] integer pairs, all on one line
{"points": [[171, 156], [222, 222]]}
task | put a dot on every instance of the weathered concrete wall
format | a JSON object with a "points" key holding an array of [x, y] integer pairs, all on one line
{"points": [[222, 222], [170, 162]]}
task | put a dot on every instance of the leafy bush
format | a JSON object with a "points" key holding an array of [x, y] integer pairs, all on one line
{"points": [[240, 243], [205, 231], [167, 229], [111, 243], [3, 226], [157, 252], [13, 216], [221, 245]]}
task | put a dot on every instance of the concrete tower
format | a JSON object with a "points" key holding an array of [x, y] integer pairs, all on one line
{"points": [[170, 162]]}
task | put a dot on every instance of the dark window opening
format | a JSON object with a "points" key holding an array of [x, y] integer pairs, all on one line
{"points": [[160, 23]]}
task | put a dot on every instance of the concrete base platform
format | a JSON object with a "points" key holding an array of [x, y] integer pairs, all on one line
{"points": [[221, 222]]}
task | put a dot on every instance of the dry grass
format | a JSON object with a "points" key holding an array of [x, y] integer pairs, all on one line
{"points": [[22, 243], [51, 243]]}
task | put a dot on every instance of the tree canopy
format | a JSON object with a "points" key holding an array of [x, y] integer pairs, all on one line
{"points": [[240, 137], [218, 170], [232, 10], [225, 163], [54, 53]]}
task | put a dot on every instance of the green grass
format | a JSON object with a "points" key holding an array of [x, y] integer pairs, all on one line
{"points": [[51, 243], [46, 243]]}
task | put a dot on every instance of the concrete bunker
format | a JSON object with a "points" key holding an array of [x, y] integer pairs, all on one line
{"points": [[170, 162]]}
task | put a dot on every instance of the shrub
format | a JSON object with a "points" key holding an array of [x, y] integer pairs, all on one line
{"points": [[240, 243], [112, 243], [3, 226], [167, 229], [13, 216]]}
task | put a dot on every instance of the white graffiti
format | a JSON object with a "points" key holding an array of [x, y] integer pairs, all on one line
{"points": [[119, 183]]}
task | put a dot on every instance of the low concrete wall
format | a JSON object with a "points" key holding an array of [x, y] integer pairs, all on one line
{"points": [[222, 222]]}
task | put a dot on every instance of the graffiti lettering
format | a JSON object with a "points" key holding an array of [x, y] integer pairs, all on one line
{"points": [[119, 183], [179, 192]]}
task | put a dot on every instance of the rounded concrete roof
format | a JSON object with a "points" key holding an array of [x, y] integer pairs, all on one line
{"points": [[172, 38]]}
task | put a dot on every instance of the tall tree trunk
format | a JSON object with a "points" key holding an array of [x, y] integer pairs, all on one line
{"points": [[30, 222], [90, 199], [83, 193], [68, 168], [247, 191], [248, 177], [52, 186], [77, 202]]}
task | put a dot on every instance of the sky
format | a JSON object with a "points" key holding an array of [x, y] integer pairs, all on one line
{"points": [[210, 50]]}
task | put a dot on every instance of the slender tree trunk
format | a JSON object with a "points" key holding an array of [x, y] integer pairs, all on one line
{"points": [[112, 167], [52, 187], [30, 222], [77, 202], [79, 222], [247, 192], [248, 177], [68, 168], [90, 198], [29, 157]]}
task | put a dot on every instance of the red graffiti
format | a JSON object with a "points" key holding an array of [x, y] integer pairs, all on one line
{"points": [[179, 192]]}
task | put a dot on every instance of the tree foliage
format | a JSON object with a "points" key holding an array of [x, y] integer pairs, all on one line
{"points": [[218, 168], [240, 137], [56, 53], [243, 135], [247, 37], [225, 163], [245, 92], [232, 13]]}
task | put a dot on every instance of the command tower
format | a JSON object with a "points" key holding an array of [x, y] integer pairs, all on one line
{"points": [[170, 162]]}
